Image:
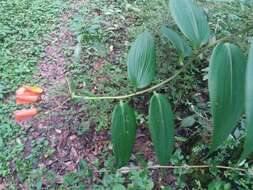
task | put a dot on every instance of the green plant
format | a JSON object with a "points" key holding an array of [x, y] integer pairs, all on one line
{"points": [[24, 28], [141, 61], [249, 105], [161, 127], [119, 22], [216, 185], [226, 78], [227, 64], [123, 130]]}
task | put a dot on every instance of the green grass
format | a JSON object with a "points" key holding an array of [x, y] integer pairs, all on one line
{"points": [[24, 26]]}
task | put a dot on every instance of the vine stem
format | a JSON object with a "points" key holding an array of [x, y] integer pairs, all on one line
{"points": [[187, 167], [152, 88]]}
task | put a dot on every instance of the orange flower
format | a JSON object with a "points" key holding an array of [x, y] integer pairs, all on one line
{"points": [[22, 115], [21, 90], [34, 89], [27, 99], [28, 95]]}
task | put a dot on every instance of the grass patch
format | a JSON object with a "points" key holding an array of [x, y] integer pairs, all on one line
{"points": [[24, 25]]}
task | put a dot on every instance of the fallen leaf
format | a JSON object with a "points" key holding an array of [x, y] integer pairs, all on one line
{"points": [[70, 166], [73, 154]]}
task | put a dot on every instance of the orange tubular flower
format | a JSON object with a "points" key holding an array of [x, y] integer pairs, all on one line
{"points": [[33, 89], [22, 115], [27, 99], [20, 91], [28, 95]]}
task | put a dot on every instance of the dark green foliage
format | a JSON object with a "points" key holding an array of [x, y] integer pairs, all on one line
{"points": [[123, 132], [161, 127], [178, 42], [248, 148], [226, 87], [141, 61], [191, 20]]}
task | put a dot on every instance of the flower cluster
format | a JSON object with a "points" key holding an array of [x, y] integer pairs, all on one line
{"points": [[27, 95]]}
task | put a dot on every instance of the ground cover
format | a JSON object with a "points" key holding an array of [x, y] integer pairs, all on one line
{"points": [[69, 147]]}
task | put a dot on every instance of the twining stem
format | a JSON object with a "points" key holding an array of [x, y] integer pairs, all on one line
{"points": [[152, 88], [187, 167]]}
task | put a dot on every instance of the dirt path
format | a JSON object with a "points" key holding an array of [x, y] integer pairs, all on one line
{"points": [[68, 147], [53, 64]]}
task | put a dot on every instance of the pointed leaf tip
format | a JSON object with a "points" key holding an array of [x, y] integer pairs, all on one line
{"points": [[177, 41]]}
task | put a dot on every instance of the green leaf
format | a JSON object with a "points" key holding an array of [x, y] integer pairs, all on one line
{"points": [[179, 43], [191, 20], [123, 132], [248, 148], [141, 61], [226, 89], [188, 121], [118, 187], [100, 49], [161, 127]]}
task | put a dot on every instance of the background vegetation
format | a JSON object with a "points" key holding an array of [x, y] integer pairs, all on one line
{"points": [[105, 29]]}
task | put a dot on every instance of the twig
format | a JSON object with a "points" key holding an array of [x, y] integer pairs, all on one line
{"points": [[69, 87], [57, 107], [187, 167]]}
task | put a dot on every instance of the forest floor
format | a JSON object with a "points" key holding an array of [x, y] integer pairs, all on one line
{"points": [[68, 145]]}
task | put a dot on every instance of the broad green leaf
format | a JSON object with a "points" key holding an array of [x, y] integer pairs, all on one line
{"points": [[226, 89], [141, 61], [161, 127], [179, 43], [123, 132], [248, 148], [191, 20]]}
